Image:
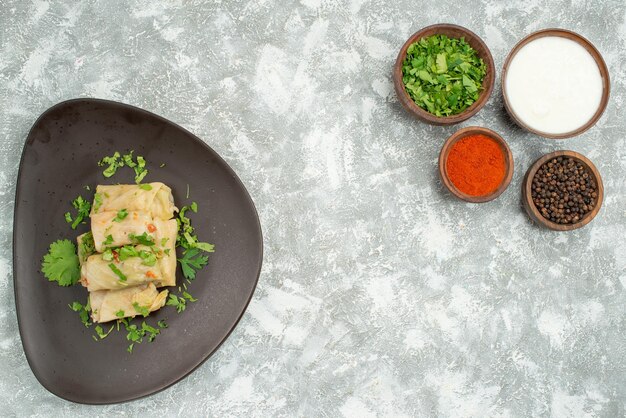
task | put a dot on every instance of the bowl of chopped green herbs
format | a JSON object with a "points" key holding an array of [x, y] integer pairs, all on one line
{"points": [[444, 74]]}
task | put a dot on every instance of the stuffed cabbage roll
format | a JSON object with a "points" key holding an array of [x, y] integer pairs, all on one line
{"points": [[108, 305], [153, 198], [132, 266], [109, 229]]}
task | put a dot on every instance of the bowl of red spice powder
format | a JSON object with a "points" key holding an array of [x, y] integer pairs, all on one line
{"points": [[476, 164]]}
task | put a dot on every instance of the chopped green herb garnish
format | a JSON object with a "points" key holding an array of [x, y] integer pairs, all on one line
{"points": [[145, 187], [148, 258], [186, 234], [179, 303], [187, 196], [83, 207], [118, 272], [162, 165], [108, 240], [121, 215], [140, 170], [136, 334], [189, 297], [120, 314], [166, 252], [164, 241], [97, 202], [83, 312], [162, 324], [191, 262], [143, 239], [127, 251], [443, 75], [114, 162], [107, 255], [61, 263], [87, 245], [143, 310], [101, 332]]}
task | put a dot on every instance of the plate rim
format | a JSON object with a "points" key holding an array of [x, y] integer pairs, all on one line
{"points": [[16, 203]]}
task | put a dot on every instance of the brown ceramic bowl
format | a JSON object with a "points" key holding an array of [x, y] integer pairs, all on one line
{"points": [[452, 31], [443, 158], [604, 72], [530, 207]]}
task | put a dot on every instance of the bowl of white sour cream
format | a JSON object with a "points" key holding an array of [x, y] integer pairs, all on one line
{"points": [[555, 83]]}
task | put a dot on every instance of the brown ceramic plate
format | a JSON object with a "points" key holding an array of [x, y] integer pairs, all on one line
{"points": [[59, 158]]}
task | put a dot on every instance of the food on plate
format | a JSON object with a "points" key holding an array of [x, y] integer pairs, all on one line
{"points": [[154, 199], [128, 253], [109, 305]]}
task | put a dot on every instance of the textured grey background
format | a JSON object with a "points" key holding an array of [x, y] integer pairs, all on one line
{"points": [[380, 294]]}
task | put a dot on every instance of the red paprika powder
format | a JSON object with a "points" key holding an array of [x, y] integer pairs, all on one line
{"points": [[476, 165]]}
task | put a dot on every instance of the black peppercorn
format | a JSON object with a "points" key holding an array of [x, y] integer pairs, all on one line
{"points": [[564, 191]]}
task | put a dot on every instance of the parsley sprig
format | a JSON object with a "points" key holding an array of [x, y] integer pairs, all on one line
{"points": [[136, 334], [83, 312], [61, 263], [188, 240], [180, 302], [82, 207]]}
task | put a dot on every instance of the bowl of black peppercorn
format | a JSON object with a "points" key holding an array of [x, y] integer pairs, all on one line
{"points": [[562, 191]]}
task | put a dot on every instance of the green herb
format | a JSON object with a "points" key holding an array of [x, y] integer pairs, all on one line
{"points": [[443, 75], [114, 162], [191, 262], [148, 258], [61, 263], [162, 165], [136, 334], [186, 234], [166, 252], [108, 240], [179, 303], [83, 312], [143, 239], [143, 310], [107, 255], [101, 332], [162, 324], [83, 207], [121, 215], [87, 245], [187, 196], [164, 241], [145, 187], [87, 188], [189, 297], [118, 272], [120, 314], [126, 252], [97, 202]]}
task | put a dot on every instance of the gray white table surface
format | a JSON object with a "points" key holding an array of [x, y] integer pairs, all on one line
{"points": [[380, 295]]}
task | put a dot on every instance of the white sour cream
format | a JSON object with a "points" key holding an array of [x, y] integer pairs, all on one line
{"points": [[553, 85]]}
